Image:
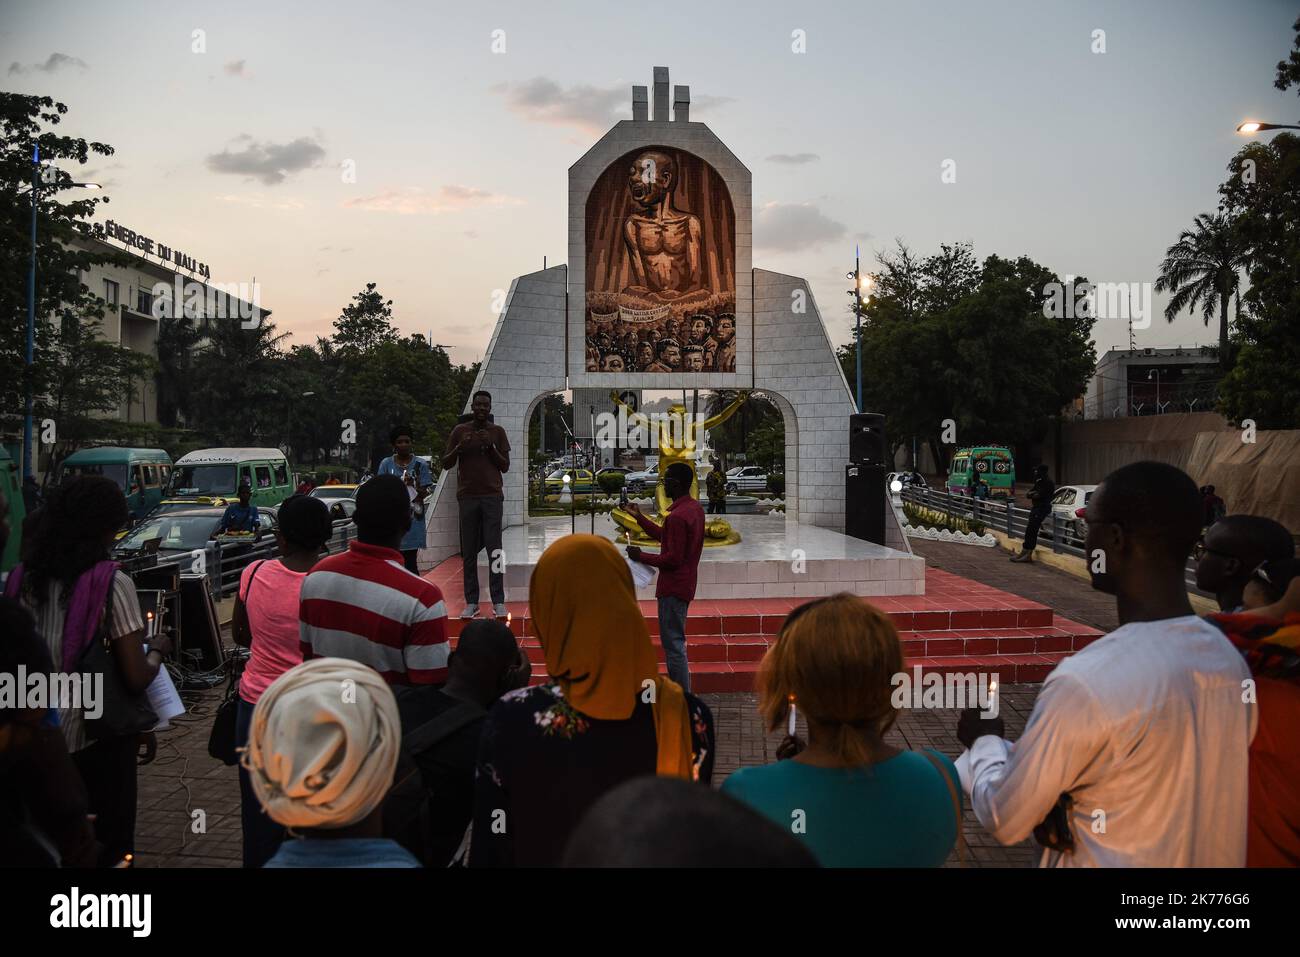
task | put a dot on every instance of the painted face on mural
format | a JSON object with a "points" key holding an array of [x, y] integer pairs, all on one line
{"points": [[613, 362], [695, 360], [673, 356], [650, 179], [645, 354], [699, 330], [726, 328]]}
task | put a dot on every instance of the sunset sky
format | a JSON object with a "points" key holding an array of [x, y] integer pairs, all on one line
{"points": [[1089, 163]]}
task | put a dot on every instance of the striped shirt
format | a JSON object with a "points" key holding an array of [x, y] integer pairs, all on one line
{"points": [[365, 606], [50, 616]]}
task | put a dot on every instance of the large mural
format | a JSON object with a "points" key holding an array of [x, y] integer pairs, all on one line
{"points": [[661, 266]]}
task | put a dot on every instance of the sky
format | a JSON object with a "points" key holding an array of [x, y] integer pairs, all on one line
{"points": [[1090, 163]]}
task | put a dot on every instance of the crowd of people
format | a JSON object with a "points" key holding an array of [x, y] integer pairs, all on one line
{"points": [[694, 343], [366, 741]]}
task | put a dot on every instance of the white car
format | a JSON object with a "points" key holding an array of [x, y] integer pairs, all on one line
{"points": [[640, 481], [746, 478], [1065, 505]]}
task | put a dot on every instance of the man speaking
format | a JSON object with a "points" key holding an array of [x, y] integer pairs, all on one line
{"points": [[482, 451]]}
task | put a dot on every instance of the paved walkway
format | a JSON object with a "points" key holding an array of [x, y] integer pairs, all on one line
{"points": [[184, 780]]}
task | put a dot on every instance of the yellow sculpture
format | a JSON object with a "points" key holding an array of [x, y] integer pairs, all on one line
{"points": [[677, 441]]}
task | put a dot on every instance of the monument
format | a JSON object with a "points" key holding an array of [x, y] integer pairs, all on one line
{"points": [[660, 293]]}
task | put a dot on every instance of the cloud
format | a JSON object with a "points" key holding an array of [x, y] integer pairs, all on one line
{"points": [[589, 108], [236, 68], [262, 202], [471, 234], [793, 227], [793, 159], [55, 63], [707, 103], [271, 163], [415, 200]]}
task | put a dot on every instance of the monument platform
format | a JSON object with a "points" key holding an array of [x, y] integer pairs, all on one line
{"points": [[947, 624], [776, 558]]}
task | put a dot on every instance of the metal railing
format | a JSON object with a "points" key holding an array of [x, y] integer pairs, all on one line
{"points": [[224, 562], [1063, 536]]}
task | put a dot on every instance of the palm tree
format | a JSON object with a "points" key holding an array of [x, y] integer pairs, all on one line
{"points": [[1202, 269]]}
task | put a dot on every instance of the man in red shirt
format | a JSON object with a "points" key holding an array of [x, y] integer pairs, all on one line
{"points": [[681, 540], [364, 605]]}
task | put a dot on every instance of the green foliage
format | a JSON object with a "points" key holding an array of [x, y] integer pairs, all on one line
{"points": [[610, 482], [76, 377], [756, 429], [922, 517], [941, 341], [776, 483], [1264, 384], [1202, 270]]}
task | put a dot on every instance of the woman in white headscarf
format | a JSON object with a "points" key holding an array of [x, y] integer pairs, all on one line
{"points": [[322, 749]]}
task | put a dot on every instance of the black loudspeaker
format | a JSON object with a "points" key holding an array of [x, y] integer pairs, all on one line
{"points": [[867, 438], [864, 502]]}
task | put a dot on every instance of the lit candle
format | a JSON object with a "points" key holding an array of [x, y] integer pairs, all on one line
{"points": [[790, 725], [148, 630]]}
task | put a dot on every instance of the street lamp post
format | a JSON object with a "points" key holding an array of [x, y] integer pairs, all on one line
{"points": [[1251, 126], [860, 282], [30, 357]]}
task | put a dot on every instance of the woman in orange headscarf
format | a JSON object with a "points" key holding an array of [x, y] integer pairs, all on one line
{"points": [[605, 716]]}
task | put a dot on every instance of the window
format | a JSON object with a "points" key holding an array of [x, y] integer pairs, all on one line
{"points": [[150, 476], [111, 292], [264, 521], [263, 476], [1063, 497], [144, 302], [281, 474]]}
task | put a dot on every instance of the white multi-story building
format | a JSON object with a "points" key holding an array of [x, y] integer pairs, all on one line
{"points": [[1152, 382], [143, 292]]}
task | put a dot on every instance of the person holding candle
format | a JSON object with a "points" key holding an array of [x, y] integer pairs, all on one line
{"points": [[77, 596], [852, 799]]}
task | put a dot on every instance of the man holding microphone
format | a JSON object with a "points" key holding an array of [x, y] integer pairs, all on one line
{"points": [[482, 451]]}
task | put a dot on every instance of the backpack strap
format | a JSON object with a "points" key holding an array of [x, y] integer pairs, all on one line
{"points": [[442, 727], [956, 803]]}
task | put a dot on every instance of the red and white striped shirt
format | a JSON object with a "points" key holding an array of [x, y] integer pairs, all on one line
{"points": [[364, 605]]}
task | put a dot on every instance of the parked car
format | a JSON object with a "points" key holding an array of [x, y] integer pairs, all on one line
{"points": [[640, 481], [185, 531], [1066, 503], [581, 480], [331, 492], [746, 478]]}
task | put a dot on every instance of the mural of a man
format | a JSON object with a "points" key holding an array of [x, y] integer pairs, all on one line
{"points": [[694, 356], [613, 363], [664, 244], [724, 359], [645, 356], [701, 326], [668, 357]]}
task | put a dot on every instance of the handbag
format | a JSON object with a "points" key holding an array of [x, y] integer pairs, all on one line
{"points": [[122, 711], [956, 806], [221, 739]]}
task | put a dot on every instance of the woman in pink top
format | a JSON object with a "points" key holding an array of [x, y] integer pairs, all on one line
{"points": [[265, 621]]}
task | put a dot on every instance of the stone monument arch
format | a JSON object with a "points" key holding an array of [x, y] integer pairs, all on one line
{"points": [[660, 292]]}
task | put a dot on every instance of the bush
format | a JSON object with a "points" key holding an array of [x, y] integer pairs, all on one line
{"points": [[776, 482], [932, 518], [610, 482]]}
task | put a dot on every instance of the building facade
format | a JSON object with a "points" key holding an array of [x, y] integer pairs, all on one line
{"points": [[1132, 382]]}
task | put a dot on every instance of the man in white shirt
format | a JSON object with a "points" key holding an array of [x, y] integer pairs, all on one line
{"points": [[1147, 729]]}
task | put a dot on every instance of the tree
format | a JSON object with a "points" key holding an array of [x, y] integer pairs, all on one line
{"points": [[1288, 70], [1202, 269], [978, 349], [59, 292], [90, 378], [238, 383], [366, 322], [1262, 192]]}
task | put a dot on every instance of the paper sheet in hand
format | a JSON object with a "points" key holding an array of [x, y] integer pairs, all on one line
{"points": [[642, 575], [164, 700]]}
